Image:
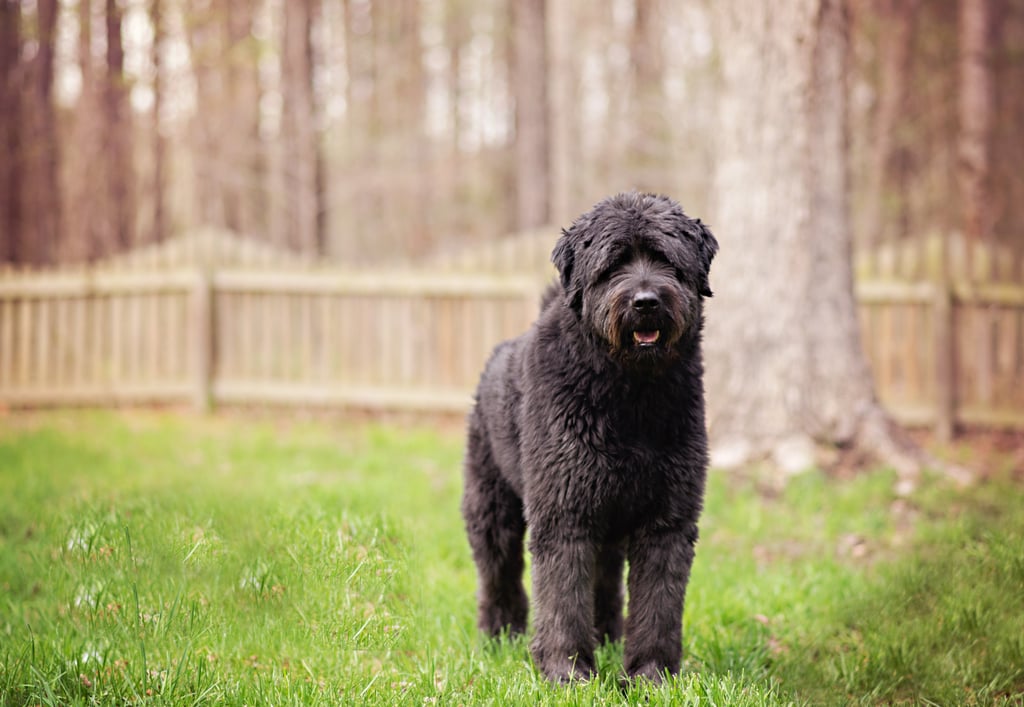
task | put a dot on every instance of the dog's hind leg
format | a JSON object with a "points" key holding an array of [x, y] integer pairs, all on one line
{"points": [[608, 592], [495, 525]]}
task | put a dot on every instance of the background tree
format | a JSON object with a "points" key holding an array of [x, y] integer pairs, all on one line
{"points": [[299, 134], [228, 153], [786, 366], [532, 113], [976, 113], [423, 125], [118, 136], [647, 126], [10, 127], [897, 21], [159, 181], [29, 178], [85, 234]]}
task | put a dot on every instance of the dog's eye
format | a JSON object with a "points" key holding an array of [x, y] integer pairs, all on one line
{"points": [[605, 275]]}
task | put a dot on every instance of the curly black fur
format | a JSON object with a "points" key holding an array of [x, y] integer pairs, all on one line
{"points": [[589, 429]]}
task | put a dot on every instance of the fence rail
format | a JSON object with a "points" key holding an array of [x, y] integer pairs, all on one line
{"points": [[941, 355]]}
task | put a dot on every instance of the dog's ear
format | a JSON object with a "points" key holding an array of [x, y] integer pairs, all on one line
{"points": [[564, 258], [708, 246]]}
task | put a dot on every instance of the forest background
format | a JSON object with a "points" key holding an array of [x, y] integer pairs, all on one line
{"points": [[365, 131]]}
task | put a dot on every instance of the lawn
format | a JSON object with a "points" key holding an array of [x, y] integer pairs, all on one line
{"points": [[169, 559]]}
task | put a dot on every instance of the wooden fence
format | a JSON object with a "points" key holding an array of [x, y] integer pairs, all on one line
{"points": [[946, 354], [941, 354], [383, 340]]}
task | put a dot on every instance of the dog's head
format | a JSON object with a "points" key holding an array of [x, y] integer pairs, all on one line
{"points": [[634, 269]]}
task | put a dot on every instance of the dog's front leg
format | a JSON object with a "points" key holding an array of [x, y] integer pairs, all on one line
{"points": [[659, 568], [563, 646]]}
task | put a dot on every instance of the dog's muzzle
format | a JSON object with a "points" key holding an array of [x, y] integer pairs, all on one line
{"points": [[646, 305]]}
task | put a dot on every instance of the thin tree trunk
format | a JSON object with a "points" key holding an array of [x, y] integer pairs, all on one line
{"points": [[298, 128], [530, 93], [120, 175], [455, 29], [449, 166], [10, 142], [38, 177], [647, 128], [564, 107], [159, 225], [977, 110], [241, 163], [87, 165], [898, 18]]}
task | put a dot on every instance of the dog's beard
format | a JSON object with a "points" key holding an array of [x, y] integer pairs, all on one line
{"points": [[642, 341]]}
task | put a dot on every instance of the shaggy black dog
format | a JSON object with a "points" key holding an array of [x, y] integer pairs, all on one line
{"points": [[589, 430]]}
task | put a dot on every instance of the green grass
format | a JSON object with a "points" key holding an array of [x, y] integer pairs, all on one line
{"points": [[154, 558]]}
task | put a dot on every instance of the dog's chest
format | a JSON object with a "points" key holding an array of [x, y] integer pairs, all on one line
{"points": [[613, 480], [611, 455]]}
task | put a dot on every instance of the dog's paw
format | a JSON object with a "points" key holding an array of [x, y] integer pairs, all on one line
{"points": [[567, 670], [651, 670], [562, 666], [505, 617]]}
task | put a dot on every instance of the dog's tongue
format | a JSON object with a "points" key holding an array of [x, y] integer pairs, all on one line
{"points": [[646, 337]]}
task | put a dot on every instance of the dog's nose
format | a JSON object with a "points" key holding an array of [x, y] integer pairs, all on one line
{"points": [[645, 301]]}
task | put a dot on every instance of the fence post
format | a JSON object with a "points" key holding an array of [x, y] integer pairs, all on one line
{"points": [[202, 340], [945, 361]]}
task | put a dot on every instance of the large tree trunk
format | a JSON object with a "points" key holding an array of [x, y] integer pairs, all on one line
{"points": [[785, 364], [530, 93]]}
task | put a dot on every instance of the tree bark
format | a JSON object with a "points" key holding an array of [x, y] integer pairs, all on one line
{"points": [[242, 168], [159, 226], [563, 28], [647, 129], [532, 128], [977, 110], [86, 167], [10, 117], [786, 368], [120, 173], [298, 128], [898, 19], [228, 150], [37, 180]]}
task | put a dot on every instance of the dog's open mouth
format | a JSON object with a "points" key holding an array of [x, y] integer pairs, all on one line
{"points": [[646, 338]]}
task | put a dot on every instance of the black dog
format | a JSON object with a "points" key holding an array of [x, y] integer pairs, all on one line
{"points": [[590, 430]]}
